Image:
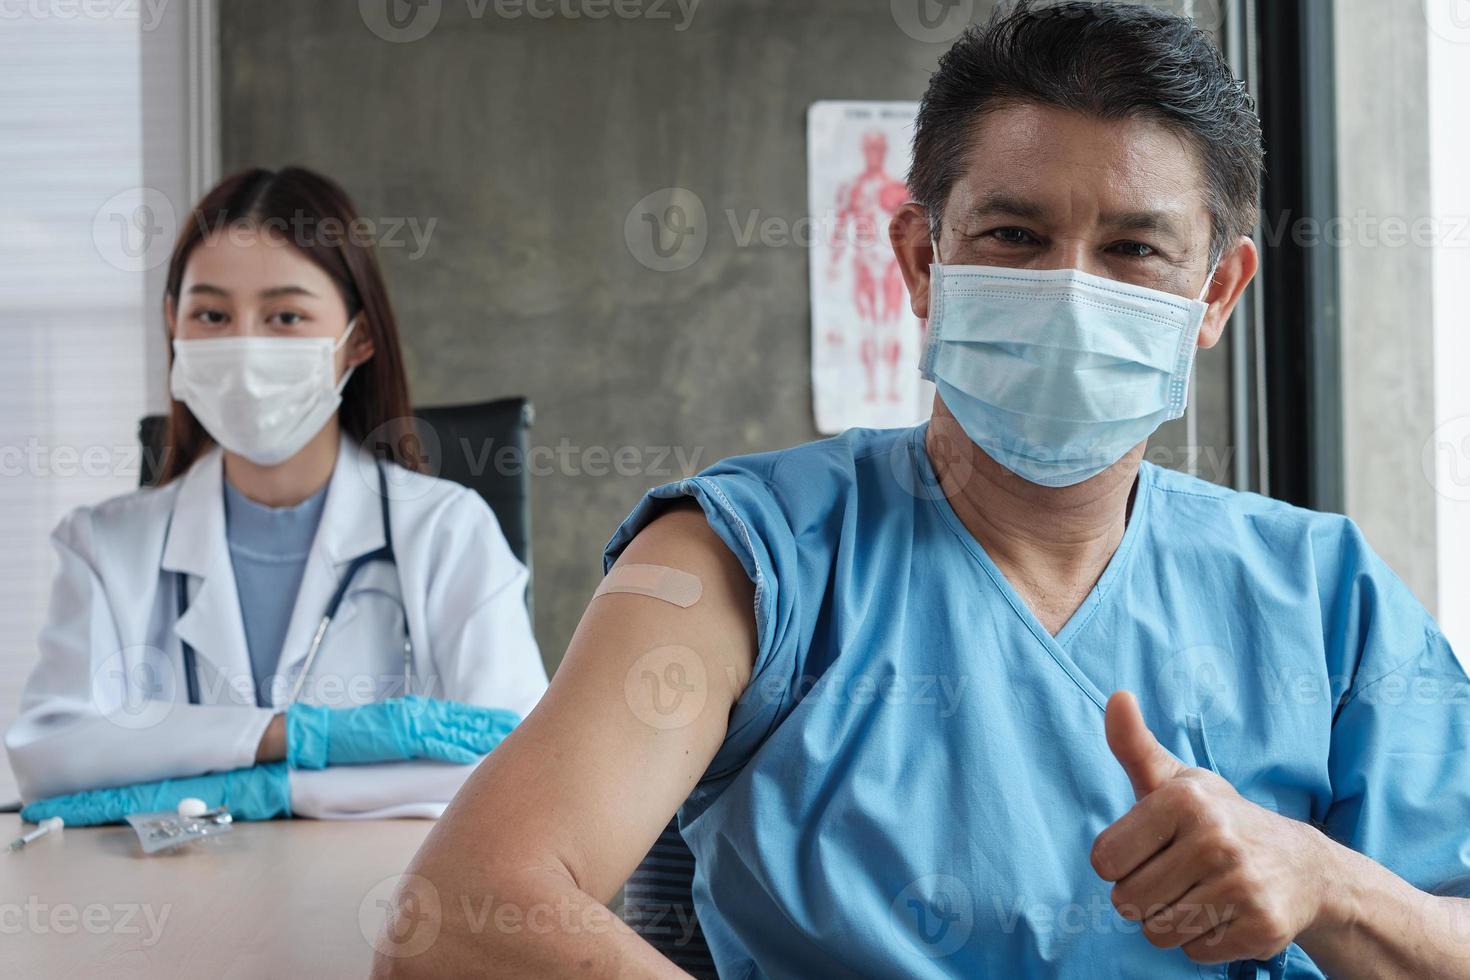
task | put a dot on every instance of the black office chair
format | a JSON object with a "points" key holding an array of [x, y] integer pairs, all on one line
{"points": [[480, 446], [658, 904]]}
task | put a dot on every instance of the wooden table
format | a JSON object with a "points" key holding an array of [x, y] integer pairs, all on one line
{"points": [[287, 898]]}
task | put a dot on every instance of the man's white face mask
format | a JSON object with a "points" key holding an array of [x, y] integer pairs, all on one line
{"points": [[1057, 374]]}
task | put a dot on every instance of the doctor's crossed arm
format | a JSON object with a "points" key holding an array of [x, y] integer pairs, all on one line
{"points": [[295, 612], [396, 730]]}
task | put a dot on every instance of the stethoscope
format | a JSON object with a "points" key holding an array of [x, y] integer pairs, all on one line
{"points": [[385, 553]]}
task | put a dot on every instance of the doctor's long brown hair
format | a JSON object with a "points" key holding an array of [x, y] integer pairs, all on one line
{"points": [[316, 217]]}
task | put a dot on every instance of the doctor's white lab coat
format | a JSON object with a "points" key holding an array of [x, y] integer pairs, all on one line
{"points": [[107, 704]]}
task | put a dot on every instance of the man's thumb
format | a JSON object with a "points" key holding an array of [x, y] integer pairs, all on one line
{"points": [[1148, 764]]}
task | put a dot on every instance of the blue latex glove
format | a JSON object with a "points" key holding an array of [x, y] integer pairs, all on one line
{"points": [[393, 731], [258, 793]]}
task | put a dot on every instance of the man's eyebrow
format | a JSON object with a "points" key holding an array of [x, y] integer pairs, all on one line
{"points": [[1161, 222], [1000, 204]]}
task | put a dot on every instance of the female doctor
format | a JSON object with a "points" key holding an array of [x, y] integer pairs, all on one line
{"points": [[296, 620]]}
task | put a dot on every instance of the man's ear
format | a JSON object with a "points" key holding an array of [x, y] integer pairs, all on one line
{"points": [[1237, 268], [360, 348], [909, 235]]}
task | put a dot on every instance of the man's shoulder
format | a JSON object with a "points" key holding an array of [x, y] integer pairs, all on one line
{"points": [[769, 496], [825, 463], [1215, 513], [1184, 490]]}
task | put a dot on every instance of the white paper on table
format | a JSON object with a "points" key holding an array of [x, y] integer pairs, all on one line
{"points": [[866, 343]]}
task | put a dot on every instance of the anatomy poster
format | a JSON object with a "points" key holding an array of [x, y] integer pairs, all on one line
{"points": [[865, 342]]}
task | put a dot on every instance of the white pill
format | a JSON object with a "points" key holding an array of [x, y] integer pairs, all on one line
{"points": [[192, 806]]}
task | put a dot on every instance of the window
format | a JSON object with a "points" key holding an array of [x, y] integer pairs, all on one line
{"points": [[99, 100]]}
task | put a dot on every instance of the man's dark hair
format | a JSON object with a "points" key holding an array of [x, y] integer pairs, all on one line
{"points": [[1106, 60]]}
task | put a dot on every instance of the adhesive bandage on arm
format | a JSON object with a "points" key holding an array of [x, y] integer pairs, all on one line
{"points": [[656, 581]]}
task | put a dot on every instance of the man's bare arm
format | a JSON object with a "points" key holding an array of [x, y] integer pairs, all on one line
{"points": [[1375, 924], [551, 824]]}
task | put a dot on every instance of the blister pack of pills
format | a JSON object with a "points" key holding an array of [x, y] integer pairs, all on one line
{"points": [[166, 829]]}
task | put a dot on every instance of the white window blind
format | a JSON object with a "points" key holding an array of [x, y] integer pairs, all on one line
{"points": [[73, 315], [1447, 451]]}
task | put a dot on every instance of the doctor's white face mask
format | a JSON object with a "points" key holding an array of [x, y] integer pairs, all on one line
{"points": [[1057, 374], [260, 397]]}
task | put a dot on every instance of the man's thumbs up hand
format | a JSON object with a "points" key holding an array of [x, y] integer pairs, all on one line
{"points": [[1148, 764], [1200, 866]]}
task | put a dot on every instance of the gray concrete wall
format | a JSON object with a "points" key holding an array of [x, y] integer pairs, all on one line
{"points": [[528, 142], [1387, 281]]}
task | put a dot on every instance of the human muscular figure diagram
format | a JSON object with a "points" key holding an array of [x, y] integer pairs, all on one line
{"points": [[860, 237]]}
